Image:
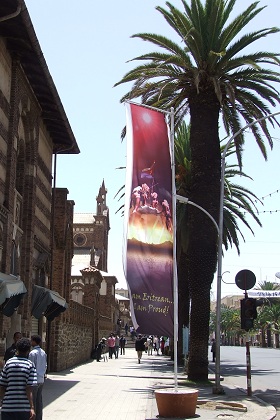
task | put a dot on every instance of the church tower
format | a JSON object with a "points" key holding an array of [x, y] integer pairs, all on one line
{"points": [[90, 233], [101, 201]]}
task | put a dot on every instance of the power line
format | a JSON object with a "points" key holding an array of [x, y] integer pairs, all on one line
{"points": [[270, 194]]}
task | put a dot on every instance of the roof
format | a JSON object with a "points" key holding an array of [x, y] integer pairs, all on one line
{"points": [[16, 27], [83, 218], [120, 297], [79, 262]]}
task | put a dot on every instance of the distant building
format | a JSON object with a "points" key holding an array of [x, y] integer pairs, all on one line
{"points": [[122, 292], [231, 301], [91, 284]]}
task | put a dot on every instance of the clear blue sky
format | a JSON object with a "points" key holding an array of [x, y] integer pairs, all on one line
{"points": [[87, 46]]}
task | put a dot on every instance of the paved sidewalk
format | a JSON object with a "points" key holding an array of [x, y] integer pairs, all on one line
{"points": [[122, 389]]}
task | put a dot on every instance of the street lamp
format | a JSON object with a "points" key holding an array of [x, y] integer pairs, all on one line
{"points": [[218, 389]]}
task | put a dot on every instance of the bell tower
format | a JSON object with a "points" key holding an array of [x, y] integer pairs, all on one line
{"points": [[101, 201]]}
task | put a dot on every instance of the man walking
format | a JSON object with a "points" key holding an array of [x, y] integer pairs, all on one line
{"points": [[39, 358], [16, 382], [111, 341], [11, 351], [139, 347], [122, 344]]}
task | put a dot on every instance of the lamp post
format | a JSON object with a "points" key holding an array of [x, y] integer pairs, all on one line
{"points": [[218, 389]]}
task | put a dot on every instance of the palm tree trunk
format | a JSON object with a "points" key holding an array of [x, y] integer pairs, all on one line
{"points": [[202, 249], [277, 340], [269, 337]]}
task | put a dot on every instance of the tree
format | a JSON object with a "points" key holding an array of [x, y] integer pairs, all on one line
{"points": [[205, 74], [238, 203], [269, 314]]}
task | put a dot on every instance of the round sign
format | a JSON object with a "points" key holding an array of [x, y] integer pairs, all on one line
{"points": [[245, 279]]}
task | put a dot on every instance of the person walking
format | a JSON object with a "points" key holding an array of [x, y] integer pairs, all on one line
{"points": [[156, 344], [11, 351], [39, 358], [117, 346], [162, 342], [100, 348], [139, 347], [150, 345], [111, 345], [126, 329], [122, 344], [213, 350], [17, 379]]}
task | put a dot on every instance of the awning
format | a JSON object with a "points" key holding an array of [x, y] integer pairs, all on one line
{"points": [[47, 302], [12, 290]]}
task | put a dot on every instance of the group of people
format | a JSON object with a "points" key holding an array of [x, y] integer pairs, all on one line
{"points": [[150, 343], [115, 345], [23, 375]]}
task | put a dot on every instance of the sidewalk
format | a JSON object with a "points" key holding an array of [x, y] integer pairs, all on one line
{"points": [[122, 389]]}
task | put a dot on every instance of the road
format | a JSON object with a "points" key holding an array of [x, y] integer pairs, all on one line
{"points": [[265, 371]]}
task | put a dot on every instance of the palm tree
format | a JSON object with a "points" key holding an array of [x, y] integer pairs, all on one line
{"points": [[238, 203], [207, 74], [268, 313]]}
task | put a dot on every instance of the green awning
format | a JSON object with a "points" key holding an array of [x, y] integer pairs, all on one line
{"points": [[47, 302], [12, 290]]}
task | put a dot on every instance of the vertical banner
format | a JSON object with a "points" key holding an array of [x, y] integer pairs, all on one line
{"points": [[148, 248]]}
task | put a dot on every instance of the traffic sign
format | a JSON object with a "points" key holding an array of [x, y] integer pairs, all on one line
{"points": [[245, 279]]}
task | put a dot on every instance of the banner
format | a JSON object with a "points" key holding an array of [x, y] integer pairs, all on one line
{"points": [[148, 254], [264, 293]]}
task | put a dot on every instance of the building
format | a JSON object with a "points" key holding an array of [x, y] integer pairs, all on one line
{"points": [[91, 284], [230, 301], [35, 251]]}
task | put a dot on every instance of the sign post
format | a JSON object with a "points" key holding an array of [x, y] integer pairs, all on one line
{"points": [[246, 279]]}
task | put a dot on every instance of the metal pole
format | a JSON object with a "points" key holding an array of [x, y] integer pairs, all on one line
{"points": [[248, 364], [218, 389], [175, 277]]}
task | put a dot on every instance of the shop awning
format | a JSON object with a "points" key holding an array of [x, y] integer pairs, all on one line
{"points": [[12, 290], [47, 302]]}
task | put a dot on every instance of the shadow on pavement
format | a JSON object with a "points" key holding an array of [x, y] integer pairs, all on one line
{"points": [[52, 391]]}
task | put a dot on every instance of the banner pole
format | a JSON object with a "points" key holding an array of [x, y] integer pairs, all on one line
{"points": [[175, 278]]}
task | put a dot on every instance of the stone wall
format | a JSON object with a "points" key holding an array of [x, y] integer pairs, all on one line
{"points": [[71, 337]]}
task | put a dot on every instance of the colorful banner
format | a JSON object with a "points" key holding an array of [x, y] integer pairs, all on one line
{"points": [[148, 254]]}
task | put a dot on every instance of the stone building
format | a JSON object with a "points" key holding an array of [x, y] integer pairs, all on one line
{"points": [[35, 252], [91, 284]]}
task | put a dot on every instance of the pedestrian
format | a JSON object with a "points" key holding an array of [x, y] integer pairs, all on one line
{"points": [[39, 358], [150, 345], [17, 379], [139, 347], [133, 334], [11, 351], [117, 346], [156, 344], [213, 350], [122, 344], [111, 345], [126, 329], [166, 347], [100, 349], [162, 341]]}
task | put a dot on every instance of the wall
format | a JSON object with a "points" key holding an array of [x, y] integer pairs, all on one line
{"points": [[71, 337]]}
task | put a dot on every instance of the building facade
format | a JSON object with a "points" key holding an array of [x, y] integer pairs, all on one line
{"points": [[91, 284], [33, 128]]}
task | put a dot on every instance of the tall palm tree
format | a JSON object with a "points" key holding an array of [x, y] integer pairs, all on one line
{"points": [[239, 202], [205, 74]]}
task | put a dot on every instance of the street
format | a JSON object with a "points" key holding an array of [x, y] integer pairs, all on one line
{"points": [[265, 371]]}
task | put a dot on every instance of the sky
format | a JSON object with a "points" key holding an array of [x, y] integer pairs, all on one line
{"points": [[88, 47]]}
